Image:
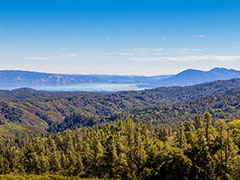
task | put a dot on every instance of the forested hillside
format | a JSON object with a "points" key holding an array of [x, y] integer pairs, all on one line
{"points": [[162, 133], [196, 149], [41, 111], [224, 106]]}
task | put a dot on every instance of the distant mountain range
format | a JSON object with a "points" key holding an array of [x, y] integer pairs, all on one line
{"points": [[192, 77], [17, 79], [10, 79]]}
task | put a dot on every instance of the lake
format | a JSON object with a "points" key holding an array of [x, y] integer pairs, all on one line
{"points": [[96, 87]]}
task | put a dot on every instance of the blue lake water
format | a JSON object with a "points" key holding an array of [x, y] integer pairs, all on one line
{"points": [[95, 87]]}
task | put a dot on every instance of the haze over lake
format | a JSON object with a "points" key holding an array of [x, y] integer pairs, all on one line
{"points": [[97, 83], [92, 87], [95, 87]]}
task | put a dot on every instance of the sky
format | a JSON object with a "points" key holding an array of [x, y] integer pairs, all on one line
{"points": [[125, 37]]}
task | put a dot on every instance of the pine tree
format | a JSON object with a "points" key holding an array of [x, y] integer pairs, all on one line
{"points": [[180, 137], [140, 153], [55, 161], [208, 125], [111, 158], [44, 163]]}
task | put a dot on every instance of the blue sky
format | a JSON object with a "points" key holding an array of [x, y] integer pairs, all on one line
{"points": [[119, 36]]}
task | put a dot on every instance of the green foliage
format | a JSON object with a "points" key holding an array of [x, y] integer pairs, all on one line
{"points": [[41, 177], [58, 111], [199, 149], [151, 134], [224, 106]]}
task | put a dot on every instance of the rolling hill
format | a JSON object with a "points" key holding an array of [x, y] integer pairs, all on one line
{"points": [[40, 110]]}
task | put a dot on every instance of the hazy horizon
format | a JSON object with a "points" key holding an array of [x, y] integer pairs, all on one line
{"points": [[117, 74]]}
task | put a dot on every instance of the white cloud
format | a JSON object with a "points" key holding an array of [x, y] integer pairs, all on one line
{"points": [[200, 36], [110, 54], [187, 58], [153, 52], [126, 54], [158, 49], [72, 55], [36, 58], [187, 50]]}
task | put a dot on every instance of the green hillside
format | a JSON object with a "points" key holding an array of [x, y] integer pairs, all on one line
{"points": [[40, 111], [199, 149]]}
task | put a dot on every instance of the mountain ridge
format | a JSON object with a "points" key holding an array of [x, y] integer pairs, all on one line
{"points": [[11, 79], [192, 76]]}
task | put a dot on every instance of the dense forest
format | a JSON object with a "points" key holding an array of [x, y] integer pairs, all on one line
{"points": [[190, 132], [197, 149], [41, 111], [224, 106]]}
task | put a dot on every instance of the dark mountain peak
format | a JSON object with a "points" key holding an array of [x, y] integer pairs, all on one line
{"points": [[24, 89], [218, 69], [190, 71], [193, 76], [223, 70]]}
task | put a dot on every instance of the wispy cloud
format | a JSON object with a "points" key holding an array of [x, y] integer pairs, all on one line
{"points": [[2, 30], [188, 50], [158, 49], [119, 54], [187, 58], [36, 58], [200, 36], [153, 52], [166, 38], [72, 55], [126, 54]]}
